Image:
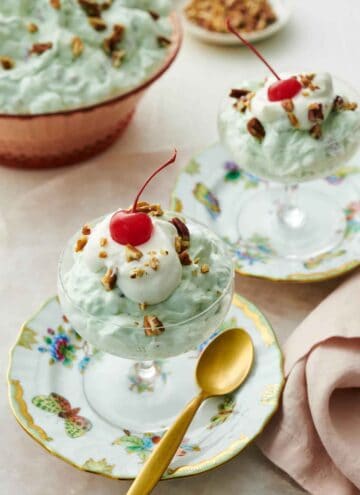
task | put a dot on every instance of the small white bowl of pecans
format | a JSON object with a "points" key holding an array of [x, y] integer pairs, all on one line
{"points": [[255, 19]]}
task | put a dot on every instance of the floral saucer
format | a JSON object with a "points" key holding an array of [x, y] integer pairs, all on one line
{"points": [[46, 395], [212, 188]]}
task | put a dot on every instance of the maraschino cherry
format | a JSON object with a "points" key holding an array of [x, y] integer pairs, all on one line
{"points": [[282, 89], [131, 226]]}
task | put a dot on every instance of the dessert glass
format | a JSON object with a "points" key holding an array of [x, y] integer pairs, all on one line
{"points": [[299, 223], [134, 379], [70, 136]]}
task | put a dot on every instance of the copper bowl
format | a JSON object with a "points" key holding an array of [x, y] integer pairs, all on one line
{"points": [[62, 138]]}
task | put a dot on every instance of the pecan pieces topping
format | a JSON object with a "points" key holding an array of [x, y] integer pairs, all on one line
{"points": [[109, 279], [80, 244], [307, 81], [316, 131], [55, 4], [97, 23], [32, 28], [77, 46], [182, 241], [204, 268], [244, 97], [90, 7], [256, 129], [115, 38], [153, 326], [40, 48], [315, 112], [7, 63], [153, 210], [132, 253], [340, 104], [163, 41]]}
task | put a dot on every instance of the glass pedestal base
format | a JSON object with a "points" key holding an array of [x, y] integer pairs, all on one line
{"points": [[119, 391], [315, 225]]}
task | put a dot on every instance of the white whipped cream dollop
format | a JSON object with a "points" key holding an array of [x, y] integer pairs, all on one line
{"points": [[269, 111], [138, 280]]}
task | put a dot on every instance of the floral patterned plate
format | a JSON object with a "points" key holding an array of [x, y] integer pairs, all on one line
{"points": [[46, 395], [212, 188]]}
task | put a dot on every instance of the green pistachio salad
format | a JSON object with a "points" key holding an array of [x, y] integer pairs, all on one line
{"points": [[120, 296], [291, 140], [58, 55]]}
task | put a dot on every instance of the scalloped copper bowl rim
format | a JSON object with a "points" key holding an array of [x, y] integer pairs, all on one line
{"points": [[177, 37]]}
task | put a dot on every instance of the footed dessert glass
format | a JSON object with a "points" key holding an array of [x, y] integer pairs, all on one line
{"points": [[299, 222], [138, 380]]}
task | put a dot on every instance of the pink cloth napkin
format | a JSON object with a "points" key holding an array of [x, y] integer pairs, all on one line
{"points": [[315, 435]]}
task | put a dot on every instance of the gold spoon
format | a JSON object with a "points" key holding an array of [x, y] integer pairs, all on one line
{"points": [[223, 367]]}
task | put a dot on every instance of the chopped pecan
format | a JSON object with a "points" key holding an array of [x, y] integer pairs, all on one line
{"points": [[40, 48], [7, 63], [163, 41], [293, 119], [55, 4], [244, 102], [86, 230], [181, 229], [154, 15], [338, 103], [196, 260], [137, 273], [106, 5], [132, 253], [97, 23], [305, 93], [316, 131], [117, 57], [205, 268], [80, 244], [315, 112], [91, 7], [116, 36], [256, 129], [153, 326], [145, 207], [184, 258], [103, 254], [103, 242], [109, 279], [154, 263], [142, 306], [32, 28], [307, 81], [238, 93], [77, 46], [348, 105], [178, 246], [164, 252], [288, 105]]}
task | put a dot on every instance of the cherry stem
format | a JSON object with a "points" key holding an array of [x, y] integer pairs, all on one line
{"points": [[169, 162], [249, 45]]}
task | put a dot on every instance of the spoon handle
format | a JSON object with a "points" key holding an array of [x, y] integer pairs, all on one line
{"points": [[160, 459]]}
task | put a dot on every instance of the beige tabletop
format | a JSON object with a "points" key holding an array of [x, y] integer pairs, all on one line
{"points": [[40, 209]]}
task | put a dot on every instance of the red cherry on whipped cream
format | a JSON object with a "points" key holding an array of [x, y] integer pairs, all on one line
{"points": [[131, 226], [282, 89], [285, 89]]}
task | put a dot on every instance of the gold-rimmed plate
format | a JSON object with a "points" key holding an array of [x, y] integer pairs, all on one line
{"points": [[212, 188], [46, 368]]}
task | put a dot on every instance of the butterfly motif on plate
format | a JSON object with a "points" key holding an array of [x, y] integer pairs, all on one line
{"points": [[75, 425]]}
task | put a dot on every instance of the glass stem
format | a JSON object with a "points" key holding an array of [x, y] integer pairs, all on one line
{"points": [[290, 214], [146, 370]]}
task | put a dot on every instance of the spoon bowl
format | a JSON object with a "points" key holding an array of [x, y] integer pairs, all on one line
{"points": [[225, 363]]}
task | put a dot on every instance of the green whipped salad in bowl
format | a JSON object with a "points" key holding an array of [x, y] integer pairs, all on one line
{"points": [[59, 55], [156, 300]]}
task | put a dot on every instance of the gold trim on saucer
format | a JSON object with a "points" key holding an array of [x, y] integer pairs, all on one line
{"points": [[25, 420]]}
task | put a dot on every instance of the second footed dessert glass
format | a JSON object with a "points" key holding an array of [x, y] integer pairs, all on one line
{"points": [[299, 222]]}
